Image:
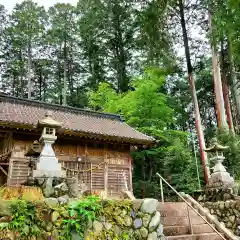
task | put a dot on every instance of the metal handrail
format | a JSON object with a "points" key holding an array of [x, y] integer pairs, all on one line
{"points": [[189, 205]]}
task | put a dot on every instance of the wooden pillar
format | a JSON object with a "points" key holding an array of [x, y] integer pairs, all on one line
{"points": [[130, 173], [78, 152], [105, 173], [106, 179], [91, 176], [11, 162]]}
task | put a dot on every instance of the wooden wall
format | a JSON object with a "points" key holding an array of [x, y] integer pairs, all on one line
{"points": [[104, 166], [114, 160], [18, 163]]}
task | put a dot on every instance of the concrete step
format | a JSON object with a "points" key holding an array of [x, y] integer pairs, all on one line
{"points": [[183, 230], [204, 236]]}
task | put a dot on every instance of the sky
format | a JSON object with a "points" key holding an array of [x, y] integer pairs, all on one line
{"points": [[9, 4]]}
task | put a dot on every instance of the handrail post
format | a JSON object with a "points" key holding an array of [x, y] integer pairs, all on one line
{"points": [[190, 221], [161, 189]]}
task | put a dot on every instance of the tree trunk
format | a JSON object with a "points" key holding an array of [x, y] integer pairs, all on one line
{"points": [[235, 83], [227, 103], [119, 52], [226, 90], [13, 84], [198, 123], [21, 76], [40, 82], [65, 74], [44, 88], [70, 69], [59, 74], [29, 63], [219, 100]]}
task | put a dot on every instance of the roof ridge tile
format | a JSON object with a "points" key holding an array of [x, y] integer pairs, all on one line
{"points": [[25, 101]]}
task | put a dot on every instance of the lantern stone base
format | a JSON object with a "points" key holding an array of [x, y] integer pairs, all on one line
{"points": [[48, 166], [41, 173], [220, 177], [211, 194]]}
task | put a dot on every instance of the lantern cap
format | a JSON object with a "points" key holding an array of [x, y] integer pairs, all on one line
{"points": [[48, 121], [216, 147]]}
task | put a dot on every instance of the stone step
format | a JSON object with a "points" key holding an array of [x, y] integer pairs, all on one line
{"points": [[202, 228], [204, 236], [173, 221], [195, 218], [176, 230], [179, 209], [177, 214], [183, 230], [173, 209]]}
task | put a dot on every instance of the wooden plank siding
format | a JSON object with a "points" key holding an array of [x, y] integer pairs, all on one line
{"points": [[102, 167], [18, 171], [118, 179]]}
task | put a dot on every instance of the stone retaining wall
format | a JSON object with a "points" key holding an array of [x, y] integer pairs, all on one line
{"points": [[227, 212], [142, 222], [138, 220]]}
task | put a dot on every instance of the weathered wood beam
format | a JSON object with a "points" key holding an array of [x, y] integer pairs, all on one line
{"points": [[106, 179], [3, 170], [4, 163]]}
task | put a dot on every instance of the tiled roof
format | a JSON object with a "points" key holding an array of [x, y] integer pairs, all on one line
{"points": [[86, 122]]}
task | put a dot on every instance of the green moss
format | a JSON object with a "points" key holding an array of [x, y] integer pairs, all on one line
{"points": [[38, 219], [115, 212]]}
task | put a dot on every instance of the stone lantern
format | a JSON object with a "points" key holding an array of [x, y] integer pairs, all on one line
{"points": [[219, 177], [47, 165]]}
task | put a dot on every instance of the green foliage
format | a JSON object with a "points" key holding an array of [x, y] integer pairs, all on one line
{"points": [[80, 46], [102, 47], [21, 43], [33, 219], [145, 107], [178, 160], [80, 214], [104, 99], [232, 155], [174, 162], [115, 212], [226, 24], [114, 209], [25, 221], [148, 108]]}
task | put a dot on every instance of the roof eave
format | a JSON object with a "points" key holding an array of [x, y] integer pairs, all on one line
{"points": [[63, 131]]}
